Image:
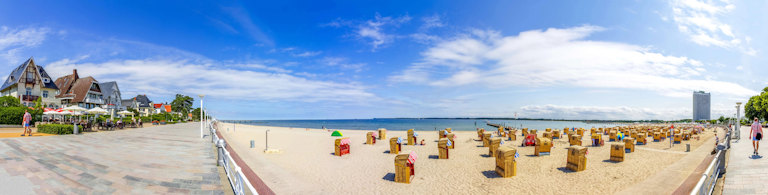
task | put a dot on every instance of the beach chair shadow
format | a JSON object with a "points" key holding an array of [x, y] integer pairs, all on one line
{"points": [[491, 174], [434, 157], [389, 177], [333, 153], [485, 155], [755, 157], [565, 170], [479, 146], [530, 155], [610, 161], [386, 152]]}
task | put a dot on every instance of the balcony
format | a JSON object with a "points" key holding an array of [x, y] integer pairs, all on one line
{"points": [[29, 98], [94, 100], [30, 81]]}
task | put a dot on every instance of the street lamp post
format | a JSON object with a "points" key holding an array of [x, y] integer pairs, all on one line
{"points": [[738, 120], [738, 111], [201, 115]]}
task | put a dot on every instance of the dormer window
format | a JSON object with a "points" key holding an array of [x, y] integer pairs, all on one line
{"points": [[46, 80]]}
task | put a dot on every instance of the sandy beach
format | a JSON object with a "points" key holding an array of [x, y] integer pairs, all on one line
{"points": [[306, 164]]}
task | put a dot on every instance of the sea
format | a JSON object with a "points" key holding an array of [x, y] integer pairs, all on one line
{"points": [[422, 124]]}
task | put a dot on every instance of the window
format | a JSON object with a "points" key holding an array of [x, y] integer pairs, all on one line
{"points": [[29, 91], [45, 94], [46, 80]]}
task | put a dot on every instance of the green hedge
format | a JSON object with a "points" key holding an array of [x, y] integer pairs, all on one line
{"points": [[56, 129], [11, 115]]}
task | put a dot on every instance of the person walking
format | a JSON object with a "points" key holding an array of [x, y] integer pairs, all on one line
{"points": [[25, 122], [756, 134]]}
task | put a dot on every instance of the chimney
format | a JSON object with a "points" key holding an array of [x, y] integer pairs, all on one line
{"points": [[74, 74]]}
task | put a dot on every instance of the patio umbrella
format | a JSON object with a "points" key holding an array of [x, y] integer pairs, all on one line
{"points": [[97, 110], [74, 108], [64, 112], [125, 112]]}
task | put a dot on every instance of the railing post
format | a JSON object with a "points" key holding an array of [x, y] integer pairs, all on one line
{"points": [[221, 144]]}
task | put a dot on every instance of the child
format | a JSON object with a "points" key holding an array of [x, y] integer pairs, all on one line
{"points": [[422, 142]]}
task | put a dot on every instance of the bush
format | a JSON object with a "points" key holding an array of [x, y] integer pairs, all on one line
{"points": [[11, 115], [56, 129]]}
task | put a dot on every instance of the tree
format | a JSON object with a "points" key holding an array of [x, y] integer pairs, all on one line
{"points": [[196, 114], [135, 112], [749, 110], [757, 106], [182, 104], [10, 101], [37, 110]]}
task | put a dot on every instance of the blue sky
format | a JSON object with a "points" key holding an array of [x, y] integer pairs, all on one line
{"points": [[365, 59]]}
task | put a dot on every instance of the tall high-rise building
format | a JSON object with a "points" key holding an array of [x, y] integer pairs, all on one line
{"points": [[701, 105]]}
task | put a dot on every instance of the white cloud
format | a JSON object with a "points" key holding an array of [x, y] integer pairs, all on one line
{"points": [[701, 20], [342, 63], [558, 57], [617, 112], [14, 40], [425, 38], [166, 77], [373, 31], [603, 113], [295, 52], [242, 17], [428, 23], [307, 53], [431, 22]]}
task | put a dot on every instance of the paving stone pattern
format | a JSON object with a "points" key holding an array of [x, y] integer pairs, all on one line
{"points": [[151, 160], [746, 173]]}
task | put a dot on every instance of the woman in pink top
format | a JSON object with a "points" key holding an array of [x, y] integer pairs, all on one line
{"points": [[756, 133]]}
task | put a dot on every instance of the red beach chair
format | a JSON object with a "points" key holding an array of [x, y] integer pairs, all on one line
{"points": [[530, 140], [411, 160], [342, 146]]}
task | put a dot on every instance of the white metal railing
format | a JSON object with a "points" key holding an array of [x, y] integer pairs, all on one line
{"points": [[235, 174], [706, 184]]}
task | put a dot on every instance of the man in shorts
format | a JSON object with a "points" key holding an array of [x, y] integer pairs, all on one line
{"points": [[25, 122], [756, 134]]}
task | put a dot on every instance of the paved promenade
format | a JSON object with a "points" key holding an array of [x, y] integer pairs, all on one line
{"points": [[151, 160], [746, 174]]}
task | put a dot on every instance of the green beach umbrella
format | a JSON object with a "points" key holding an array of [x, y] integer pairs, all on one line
{"points": [[336, 133]]}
